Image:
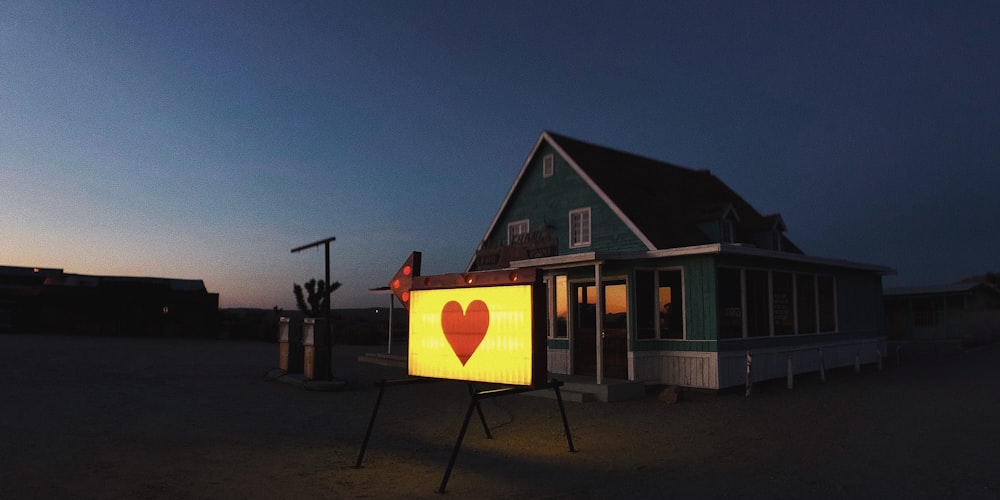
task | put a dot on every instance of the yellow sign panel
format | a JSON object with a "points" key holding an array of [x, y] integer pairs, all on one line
{"points": [[481, 334]]}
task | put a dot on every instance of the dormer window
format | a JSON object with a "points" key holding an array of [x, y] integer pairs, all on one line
{"points": [[727, 225], [776, 240], [728, 230]]}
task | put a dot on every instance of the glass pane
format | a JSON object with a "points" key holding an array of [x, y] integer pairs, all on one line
{"points": [[586, 299], [730, 307], [827, 304], [781, 303], [645, 314], [805, 302], [758, 309], [562, 306], [671, 305], [615, 306]]}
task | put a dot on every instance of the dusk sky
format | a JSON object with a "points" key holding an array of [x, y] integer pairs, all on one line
{"points": [[206, 139]]}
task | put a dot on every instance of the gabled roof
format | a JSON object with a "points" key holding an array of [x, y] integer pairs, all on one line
{"points": [[663, 204]]}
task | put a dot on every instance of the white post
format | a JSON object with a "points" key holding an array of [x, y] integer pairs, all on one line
{"points": [[749, 376], [599, 323], [309, 348], [283, 343], [392, 301]]}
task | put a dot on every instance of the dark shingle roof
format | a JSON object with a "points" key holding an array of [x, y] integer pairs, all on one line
{"points": [[664, 201]]}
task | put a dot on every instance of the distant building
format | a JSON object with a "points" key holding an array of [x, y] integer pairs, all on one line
{"points": [[51, 301], [966, 312], [663, 274]]}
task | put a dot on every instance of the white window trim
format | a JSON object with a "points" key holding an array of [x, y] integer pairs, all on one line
{"points": [[548, 165], [512, 226], [584, 242]]}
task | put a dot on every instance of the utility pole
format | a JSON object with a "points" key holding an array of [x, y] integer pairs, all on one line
{"points": [[329, 324]]}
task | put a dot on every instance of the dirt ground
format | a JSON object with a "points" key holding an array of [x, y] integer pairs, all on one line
{"points": [[87, 417]]}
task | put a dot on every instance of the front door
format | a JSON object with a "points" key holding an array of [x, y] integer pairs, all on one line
{"points": [[615, 334]]}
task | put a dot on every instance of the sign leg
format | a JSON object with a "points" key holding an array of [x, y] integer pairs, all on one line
{"points": [[371, 424], [473, 403], [562, 411]]}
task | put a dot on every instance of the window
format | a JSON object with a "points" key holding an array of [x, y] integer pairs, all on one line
{"points": [[548, 166], [776, 240], [782, 293], [561, 306], [758, 309], [645, 307], [515, 228], [924, 312], [728, 230], [805, 302], [827, 300], [671, 311], [730, 303], [660, 306], [759, 303], [579, 228]]}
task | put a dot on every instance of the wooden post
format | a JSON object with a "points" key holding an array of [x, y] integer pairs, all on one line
{"points": [[749, 376], [283, 343], [309, 345]]}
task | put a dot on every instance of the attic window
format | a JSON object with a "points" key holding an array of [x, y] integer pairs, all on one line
{"points": [[548, 165]]}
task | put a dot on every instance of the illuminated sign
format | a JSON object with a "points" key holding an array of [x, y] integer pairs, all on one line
{"points": [[480, 327]]}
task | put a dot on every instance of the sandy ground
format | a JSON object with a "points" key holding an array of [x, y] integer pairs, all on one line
{"points": [[166, 418]]}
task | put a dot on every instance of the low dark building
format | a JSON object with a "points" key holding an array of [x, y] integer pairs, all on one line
{"points": [[966, 312], [40, 300]]}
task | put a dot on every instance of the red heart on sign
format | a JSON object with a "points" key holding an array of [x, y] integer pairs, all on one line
{"points": [[465, 330]]}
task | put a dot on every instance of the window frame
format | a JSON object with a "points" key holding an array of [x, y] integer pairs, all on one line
{"points": [[548, 165], [580, 242], [514, 225], [812, 295]]}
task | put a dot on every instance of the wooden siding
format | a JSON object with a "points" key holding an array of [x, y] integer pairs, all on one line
{"points": [[548, 201], [689, 369], [558, 361]]}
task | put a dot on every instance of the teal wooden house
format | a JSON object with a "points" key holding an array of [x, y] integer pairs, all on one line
{"points": [[662, 274]]}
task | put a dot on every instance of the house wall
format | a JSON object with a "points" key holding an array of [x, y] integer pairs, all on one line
{"points": [[548, 201], [701, 360]]}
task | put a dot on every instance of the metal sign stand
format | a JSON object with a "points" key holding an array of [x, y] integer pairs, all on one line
{"points": [[475, 396]]}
